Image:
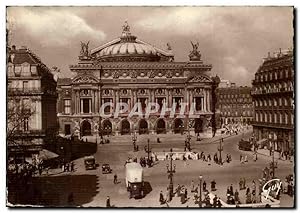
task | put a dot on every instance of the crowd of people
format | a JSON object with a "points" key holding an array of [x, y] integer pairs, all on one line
{"points": [[68, 167]]}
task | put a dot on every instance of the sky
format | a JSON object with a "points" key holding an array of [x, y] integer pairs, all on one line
{"points": [[233, 39]]}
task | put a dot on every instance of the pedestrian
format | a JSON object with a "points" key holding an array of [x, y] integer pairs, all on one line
{"points": [[185, 193], [192, 186], [215, 201], [246, 159], [247, 190], [213, 185], [67, 167], [108, 202], [228, 192], [178, 189], [72, 166], [204, 186], [115, 179], [158, 141], [219, 204], [241, 157], [195, 197], [231, 190], [236, 196]]}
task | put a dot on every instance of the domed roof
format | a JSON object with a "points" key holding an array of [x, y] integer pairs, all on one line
{"points": [[128, 48]]}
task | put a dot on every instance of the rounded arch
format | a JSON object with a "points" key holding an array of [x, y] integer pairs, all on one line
{"points": [[160, 126], [178, 125], [107, 127], [86, 128], [143, 126], [125, 127]]}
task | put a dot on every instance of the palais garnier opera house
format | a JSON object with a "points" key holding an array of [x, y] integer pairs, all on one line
{"points": [[129, 70]]}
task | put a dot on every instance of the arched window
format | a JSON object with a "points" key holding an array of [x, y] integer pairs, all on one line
{"points": [[270, 118], [266, 117], [280, 118], [275, 117]]}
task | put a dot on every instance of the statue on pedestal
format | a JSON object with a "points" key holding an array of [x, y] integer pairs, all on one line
{"points": [[195, 53]]}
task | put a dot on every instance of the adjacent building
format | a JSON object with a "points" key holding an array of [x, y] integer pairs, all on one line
{"points": [[31, 103], [273, 98], [234, 104], [129, 70]]}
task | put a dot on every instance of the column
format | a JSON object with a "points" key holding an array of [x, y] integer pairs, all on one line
{"points": [[93, 101], [81, 106], [96, 102], [90, 105], [78, 101], [114, 99], [209, 100], [205, 99], [132, 100]]}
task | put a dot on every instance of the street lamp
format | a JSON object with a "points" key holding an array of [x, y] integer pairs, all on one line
{"points": [[220, 149], [148, 151], [171, 171], [134, 139], [200, 191]]}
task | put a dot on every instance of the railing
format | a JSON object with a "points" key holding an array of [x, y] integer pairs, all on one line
{"points": [[18, 91]]}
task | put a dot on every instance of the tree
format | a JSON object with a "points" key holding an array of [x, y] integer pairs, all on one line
{"points": [[18, 117]]}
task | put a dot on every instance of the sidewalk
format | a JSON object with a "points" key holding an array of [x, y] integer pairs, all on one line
{"points": [[266, 152]]}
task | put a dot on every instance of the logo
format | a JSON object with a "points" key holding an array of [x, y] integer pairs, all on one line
{"points": [[273, 185]]}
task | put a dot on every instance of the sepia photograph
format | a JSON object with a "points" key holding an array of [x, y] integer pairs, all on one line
{"points": [[150, 107]]}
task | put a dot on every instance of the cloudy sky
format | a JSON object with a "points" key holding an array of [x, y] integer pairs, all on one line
{"points": [[233, 39]]}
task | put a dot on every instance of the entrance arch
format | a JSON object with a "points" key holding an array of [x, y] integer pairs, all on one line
{"points": [[107, 127], [143, 127], [178, 126], [198, 125], [86, 128], [125, 127], [160, 126]]}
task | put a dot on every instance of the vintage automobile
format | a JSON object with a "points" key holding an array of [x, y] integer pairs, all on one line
{"points": [[89, 162], [245, 145], [106, 168]]}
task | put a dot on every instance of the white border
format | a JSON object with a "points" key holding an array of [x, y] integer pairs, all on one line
{"points": [[5, 3]]}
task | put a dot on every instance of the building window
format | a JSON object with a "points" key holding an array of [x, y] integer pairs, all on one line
{"points": [[280, 118], [67, 106], [275, 102], [198, 103], [86, 105], [107, 108], [275, 118], [26, 124], [270, 118], [292, 118], [280, 101], [25, 85]]}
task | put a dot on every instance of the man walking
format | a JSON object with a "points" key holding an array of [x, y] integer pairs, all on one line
{"points": [[108, 202], [115, 179]]}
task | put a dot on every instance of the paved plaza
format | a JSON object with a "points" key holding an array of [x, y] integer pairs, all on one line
{"points": [[99, 185]]}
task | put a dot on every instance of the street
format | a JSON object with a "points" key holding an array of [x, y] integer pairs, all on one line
{"points": [[156, 179]]}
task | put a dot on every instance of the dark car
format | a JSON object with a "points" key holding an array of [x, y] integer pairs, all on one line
{"points": [[89, 162], [245, 145], [106, 169]]}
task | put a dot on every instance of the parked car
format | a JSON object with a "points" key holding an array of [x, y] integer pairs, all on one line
{"points": [[106, 168], [89, 162]]}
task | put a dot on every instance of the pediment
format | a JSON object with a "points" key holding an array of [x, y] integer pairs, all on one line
{"points": [[85, 79], [200, 78]]}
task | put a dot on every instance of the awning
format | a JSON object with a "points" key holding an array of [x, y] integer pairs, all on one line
{"points": [[46, 155]]}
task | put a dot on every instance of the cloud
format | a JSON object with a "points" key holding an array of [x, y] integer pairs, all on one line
{"points": [[54, 26]]}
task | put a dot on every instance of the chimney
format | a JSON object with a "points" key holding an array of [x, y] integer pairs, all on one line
{"points": [[13, 47]]}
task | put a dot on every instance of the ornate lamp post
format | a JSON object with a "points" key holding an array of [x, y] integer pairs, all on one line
{"points": [[148, 151], [171, 171], [134, 139], [220, 149], [200, 191]]}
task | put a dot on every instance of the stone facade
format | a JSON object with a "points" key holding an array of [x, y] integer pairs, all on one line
{"points": [[273, 98], [131, 71], [234, 104], [31, 89]]}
